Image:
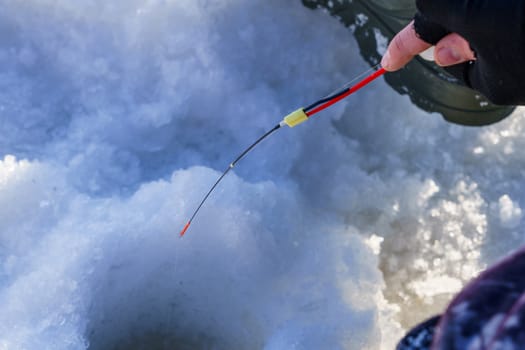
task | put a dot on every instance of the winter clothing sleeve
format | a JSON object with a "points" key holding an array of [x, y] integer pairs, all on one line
{"points": [[496, 33], [488, 314]]}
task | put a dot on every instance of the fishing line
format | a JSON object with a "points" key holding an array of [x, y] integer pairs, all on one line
{"points": [[293, 119]]}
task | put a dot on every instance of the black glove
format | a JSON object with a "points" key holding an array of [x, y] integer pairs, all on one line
{"points": [[495, 30]]}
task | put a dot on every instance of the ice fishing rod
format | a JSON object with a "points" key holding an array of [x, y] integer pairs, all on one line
{"points": [[293, 119]]}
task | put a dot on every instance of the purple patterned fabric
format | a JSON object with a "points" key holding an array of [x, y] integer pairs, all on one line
{"points": [[488, 314]]}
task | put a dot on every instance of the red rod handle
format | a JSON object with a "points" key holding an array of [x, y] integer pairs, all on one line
{"points": [[350, 91]]}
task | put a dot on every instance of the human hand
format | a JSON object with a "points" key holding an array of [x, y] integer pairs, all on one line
{"points": [[452, 49], [493, 30]]}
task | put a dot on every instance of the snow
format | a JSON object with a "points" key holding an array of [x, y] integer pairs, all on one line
{"points": [[381, 40], [116, 118], [509, 212]]}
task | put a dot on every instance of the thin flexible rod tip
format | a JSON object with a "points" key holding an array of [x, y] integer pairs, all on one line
{"points": [[185, 229]]}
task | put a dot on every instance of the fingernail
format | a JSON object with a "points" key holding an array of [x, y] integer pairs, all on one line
{"points": [[447, 56], [386, 61]]}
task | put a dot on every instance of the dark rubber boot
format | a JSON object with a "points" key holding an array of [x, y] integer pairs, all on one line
{"points": [[429, 86]]}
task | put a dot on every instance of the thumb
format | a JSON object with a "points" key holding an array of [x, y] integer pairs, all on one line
{"points": [[453, 49], [402, 49]]}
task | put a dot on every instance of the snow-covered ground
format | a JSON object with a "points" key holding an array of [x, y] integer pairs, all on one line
{"points": [[117, 116]]}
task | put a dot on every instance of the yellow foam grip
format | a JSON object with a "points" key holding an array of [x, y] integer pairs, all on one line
{"points": [[295, 118]]}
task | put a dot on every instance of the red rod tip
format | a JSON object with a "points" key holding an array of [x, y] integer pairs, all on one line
{"points": [[185, 229]]}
